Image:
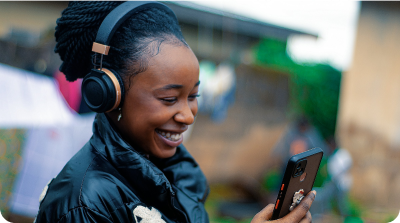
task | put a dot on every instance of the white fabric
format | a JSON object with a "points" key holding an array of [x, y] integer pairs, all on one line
{"points": [[45, 152], [30, 100], [339, 165], [147, 215], [44, 192], [55, 132]]}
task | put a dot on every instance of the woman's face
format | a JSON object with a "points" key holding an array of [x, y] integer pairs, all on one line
{"points": [[161, 102]]}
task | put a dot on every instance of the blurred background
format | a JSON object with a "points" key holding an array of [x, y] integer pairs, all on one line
{"points": [[277, 78]]}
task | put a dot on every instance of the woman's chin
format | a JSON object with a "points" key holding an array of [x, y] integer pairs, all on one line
{"points": [[165, 153], [165, 148]]}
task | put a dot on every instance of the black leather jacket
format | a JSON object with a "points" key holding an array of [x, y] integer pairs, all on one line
{"points": [[109, 181]]}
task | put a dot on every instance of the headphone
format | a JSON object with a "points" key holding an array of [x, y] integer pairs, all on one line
{"points": [[103, 89]]}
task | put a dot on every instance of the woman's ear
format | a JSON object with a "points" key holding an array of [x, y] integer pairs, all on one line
{"points": [[113, 115]]}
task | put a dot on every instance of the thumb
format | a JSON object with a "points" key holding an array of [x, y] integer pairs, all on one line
{"points": [[264, 215]]}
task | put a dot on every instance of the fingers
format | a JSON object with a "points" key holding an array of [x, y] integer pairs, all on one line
{"points": [[299, 214], [302, 209], [307, 218], [264, 214]]}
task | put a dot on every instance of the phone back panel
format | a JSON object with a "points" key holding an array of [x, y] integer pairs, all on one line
{"points": [[293, 184]]}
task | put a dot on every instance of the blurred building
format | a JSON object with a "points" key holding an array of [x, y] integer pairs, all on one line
{"points": [[218, 35], [212, 34], [369, 111]]}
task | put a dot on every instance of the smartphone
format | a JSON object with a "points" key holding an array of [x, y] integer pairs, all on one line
{"points": [[298, 180]]}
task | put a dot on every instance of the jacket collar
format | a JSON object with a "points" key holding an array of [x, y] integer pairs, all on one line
{"points": [[152, 179]]}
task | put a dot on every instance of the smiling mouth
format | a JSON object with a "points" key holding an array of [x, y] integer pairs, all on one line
{"points": [[170, 135]]}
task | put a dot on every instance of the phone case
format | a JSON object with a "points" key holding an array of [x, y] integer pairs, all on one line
{"points": [[292, 185]]}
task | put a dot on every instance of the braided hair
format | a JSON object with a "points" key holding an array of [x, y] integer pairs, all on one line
{"points": [[136, 40]]}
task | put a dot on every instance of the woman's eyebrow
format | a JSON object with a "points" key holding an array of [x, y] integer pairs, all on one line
{"points": [[171, 86], [175, 86]]}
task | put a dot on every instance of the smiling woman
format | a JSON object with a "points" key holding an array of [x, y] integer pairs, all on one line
{"points": [[161, 102], [131, 169], [134, 168]]}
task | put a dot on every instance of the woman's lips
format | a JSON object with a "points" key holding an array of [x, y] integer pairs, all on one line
{"points": [[170, 138]]}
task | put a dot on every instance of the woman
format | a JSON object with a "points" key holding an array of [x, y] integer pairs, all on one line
{"points": [[134, 168]]}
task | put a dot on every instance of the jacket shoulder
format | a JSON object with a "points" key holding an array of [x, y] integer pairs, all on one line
{"points": [[104, 185], [87, 186], [105, 190]]}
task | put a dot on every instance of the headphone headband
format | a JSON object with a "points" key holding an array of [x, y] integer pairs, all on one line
{"points": [[117, 16], [103, 90]]}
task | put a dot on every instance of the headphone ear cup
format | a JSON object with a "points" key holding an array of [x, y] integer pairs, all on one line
{"points": [[101, 90], [121, 86]]}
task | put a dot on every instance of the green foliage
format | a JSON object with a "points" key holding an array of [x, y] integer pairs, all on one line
{"points": [[272, 53], [355, 207], [223, 220], [314, 88], [272, 180], [351, 219], [322, 174], [390, 218]]}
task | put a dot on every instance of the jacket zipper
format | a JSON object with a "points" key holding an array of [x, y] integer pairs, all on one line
{"points": [[173, 205]]}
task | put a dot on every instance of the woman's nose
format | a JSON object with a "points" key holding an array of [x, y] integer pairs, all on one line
{"points": [[186, 114]]}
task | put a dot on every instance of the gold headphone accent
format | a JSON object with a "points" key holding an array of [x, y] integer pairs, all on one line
{"points": [[100, 48], [117, 88]]}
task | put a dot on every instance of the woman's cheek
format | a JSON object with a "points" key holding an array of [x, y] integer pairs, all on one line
{"points": [[194, 107]]}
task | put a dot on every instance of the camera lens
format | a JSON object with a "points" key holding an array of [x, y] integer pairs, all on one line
{"points": [[299, 168]]}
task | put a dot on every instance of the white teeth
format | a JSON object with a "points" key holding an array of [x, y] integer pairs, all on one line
{"points": [[169, 136], [177, 137]]}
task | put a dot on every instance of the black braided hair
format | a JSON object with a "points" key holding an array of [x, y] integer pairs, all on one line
{"points": [[133, 43]]}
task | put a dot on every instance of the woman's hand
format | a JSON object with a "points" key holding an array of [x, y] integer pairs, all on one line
{"points": [[299, 214]]}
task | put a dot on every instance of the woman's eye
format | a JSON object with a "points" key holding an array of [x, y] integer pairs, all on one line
{"points": [[193, 96], [169, 100]]}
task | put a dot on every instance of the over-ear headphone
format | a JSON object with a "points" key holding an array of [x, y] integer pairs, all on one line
{"points": [[103, 89]]}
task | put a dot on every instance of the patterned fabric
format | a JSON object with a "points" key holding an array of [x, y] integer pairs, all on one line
{"points": [[145, 215], [11, 141]]}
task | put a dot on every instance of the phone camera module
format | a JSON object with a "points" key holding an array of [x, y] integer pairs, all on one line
{"points": [[299, 168]]}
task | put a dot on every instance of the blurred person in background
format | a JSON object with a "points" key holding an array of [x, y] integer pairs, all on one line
{"points": [[335, 183], [299, 137], [218, 86], [134, 168]]}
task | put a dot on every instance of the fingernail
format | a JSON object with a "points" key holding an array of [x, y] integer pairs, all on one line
{"points": [[315, 192]]}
